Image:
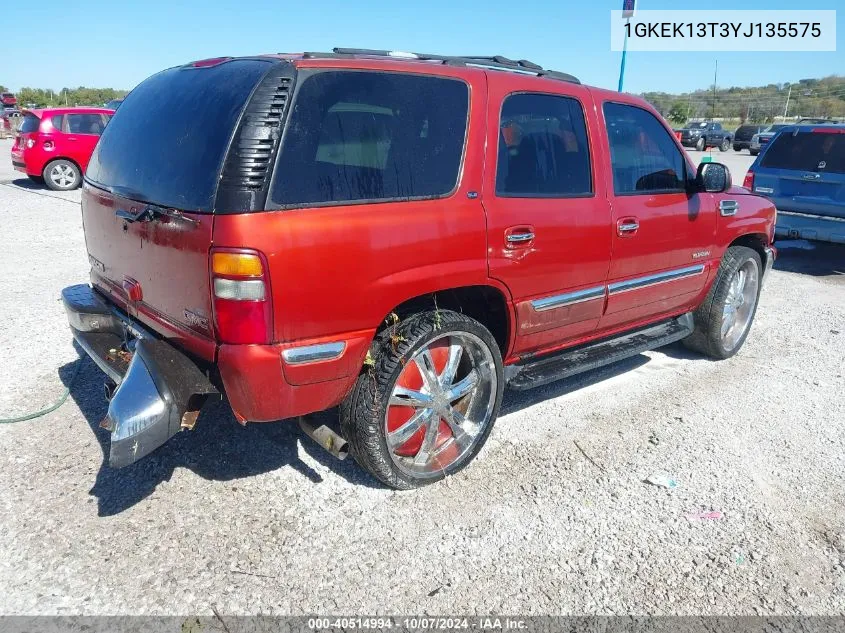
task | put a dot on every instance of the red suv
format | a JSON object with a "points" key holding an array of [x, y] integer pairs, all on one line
{"points": [[54, 145], [401, 235]]}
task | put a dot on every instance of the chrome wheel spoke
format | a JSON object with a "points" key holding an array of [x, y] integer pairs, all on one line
{"points": [[424, 455], [462, 387], [448, 375], [409, 398], [425, 365], [454, 419], [406, 431]]}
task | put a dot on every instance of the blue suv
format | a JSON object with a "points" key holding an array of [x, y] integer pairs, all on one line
{"points": [[802, 170]]}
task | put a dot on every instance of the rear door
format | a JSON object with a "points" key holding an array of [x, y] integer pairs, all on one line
{"points": [[165, 147], [80, 133], [804, 171], [548, 216], [663, 236]]}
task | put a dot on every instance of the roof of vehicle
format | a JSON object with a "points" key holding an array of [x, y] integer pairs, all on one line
{"points": [[42, 112], [394, 59], [823, 128]]}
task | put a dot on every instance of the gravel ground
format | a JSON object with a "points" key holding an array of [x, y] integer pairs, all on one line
{"points": [[554, 516]]}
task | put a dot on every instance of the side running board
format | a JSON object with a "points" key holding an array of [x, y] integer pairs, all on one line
{"points": [[535, 372]]}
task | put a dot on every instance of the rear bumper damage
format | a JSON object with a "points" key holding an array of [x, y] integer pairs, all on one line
{"points": [[157, 390]]}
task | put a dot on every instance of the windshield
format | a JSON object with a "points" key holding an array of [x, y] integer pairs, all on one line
{"points": [[698, 126]]}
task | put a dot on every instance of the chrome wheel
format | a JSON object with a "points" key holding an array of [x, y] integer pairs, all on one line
{"points": [[63, 175], [739, 305], [442, 401]]}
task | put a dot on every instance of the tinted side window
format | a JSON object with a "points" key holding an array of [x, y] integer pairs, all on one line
{"points": [[355, 136], [643, 155], [543, 149], [84, 124], [807, 151], [56, 122]]}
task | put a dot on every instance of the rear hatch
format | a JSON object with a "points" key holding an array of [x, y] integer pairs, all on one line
{"points": [[804, 171], [28, 131], [745, 132], [150, 190]]}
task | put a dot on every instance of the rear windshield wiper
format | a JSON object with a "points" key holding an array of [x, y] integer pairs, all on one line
{"points": [[152, 212]]}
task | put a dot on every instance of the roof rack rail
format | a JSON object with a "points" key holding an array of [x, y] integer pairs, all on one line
{"points": [[495, 61]]}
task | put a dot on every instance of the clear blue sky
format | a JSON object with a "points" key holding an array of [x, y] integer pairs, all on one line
{"points": [[117, 43]]}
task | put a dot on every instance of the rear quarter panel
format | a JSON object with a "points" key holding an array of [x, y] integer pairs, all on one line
{"points": [[341, 269]]}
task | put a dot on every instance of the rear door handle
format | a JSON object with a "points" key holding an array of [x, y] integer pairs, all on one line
{"points": [[519, 236], [627, 227]]}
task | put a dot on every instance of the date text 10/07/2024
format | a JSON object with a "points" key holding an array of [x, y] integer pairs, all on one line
{"points": [[420, 623]]}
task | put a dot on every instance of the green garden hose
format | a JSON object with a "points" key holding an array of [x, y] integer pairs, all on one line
{"points": [[52, 407]]}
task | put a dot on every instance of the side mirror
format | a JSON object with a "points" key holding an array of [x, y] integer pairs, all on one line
{"points": [[713, 178]]}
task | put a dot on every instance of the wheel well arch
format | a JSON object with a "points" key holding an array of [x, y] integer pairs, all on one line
{"points": [[755, 241], [486, 304]]}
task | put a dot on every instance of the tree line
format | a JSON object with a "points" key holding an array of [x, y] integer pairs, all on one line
{"points": [[82, 96], [806, 98]]}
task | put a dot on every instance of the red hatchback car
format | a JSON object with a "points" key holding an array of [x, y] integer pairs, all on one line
{"points": [[54, 145]]}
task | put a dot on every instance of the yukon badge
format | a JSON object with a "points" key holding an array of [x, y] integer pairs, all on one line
{"points": [[700, 254], [196, 320]]}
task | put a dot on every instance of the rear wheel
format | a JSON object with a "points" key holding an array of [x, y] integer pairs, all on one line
{"points": [[725, 146], [754, 152], [737, 148], [701, 145], [428, 404], [62, 175], [723, 320]]}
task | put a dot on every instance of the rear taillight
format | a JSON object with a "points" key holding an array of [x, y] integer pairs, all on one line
{"points": [[748, 183], [240, 286]]}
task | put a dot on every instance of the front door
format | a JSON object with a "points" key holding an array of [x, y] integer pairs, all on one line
{"points": [[663, 235], [548, 218]]}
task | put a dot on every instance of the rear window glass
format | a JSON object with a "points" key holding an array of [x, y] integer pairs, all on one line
{"points": [[355, 136], [167, 141], [30, 124], [807, 151]]}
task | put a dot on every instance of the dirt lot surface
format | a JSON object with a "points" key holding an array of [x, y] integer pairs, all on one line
{"points": [[554, 516]]}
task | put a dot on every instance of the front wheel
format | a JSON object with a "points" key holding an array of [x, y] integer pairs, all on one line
{"points": [[725, 146], [723, 320], [737, 148], [700, 145], [426, 406], [62, 175]]}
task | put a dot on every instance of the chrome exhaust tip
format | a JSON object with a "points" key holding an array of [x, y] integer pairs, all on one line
{"points": [[326, 438]]}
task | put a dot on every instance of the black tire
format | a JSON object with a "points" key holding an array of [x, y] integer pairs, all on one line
{"points": [[737, 148], [362, 414], [701, 144], [707, 337], [69, 179], [725, 146], [753, 152]]}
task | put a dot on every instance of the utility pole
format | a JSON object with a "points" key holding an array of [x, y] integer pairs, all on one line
{"points": [[624, 55], [689, 106], [786, 108], [715, 77]]}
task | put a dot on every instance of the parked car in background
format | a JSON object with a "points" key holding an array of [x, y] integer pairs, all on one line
{"points": [[802, 170], [706, 134], [9, 122], [759, 140], [54, 145], [743, 135], [536, 230], [114, 103], [8, 100], [812, 121]]}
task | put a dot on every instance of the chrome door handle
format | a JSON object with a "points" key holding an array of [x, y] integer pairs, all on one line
{"points": [[518, 238], [629, 227], [728, 207]]}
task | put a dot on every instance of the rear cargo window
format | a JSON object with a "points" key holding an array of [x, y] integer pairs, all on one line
{"points": [[807, 151], [360, 136], [30, 124], [167, 142]]}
